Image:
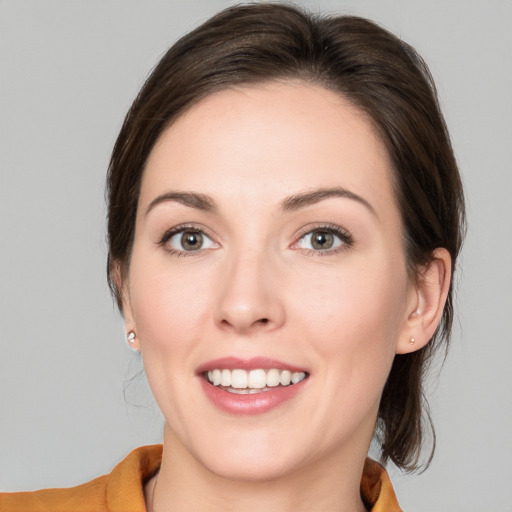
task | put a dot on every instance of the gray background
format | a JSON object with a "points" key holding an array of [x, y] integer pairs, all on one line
{"points": [[68, 73]]}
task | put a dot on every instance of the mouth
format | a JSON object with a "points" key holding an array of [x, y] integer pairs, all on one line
{"points": [[248, 382], [250, 387]]}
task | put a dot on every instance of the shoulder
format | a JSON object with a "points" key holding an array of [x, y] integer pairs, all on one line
{"points": [[89, 496], [120, 490], [376, 489]]}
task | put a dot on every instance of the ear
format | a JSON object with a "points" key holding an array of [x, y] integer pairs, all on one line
{"points": [[427, 302], [122, 285]]}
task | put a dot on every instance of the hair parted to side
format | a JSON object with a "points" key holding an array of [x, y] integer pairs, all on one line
{"points": [[379, 74]]}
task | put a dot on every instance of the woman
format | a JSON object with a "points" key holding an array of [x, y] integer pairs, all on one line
{"points": [[285, 214]]}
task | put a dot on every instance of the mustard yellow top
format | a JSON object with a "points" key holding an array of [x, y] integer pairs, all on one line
{"points": [[123, 489]]}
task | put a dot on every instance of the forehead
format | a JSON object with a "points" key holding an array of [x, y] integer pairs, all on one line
{"points": [[270, 141]]}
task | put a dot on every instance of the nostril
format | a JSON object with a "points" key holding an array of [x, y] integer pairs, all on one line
{"points": [[263, 321]]}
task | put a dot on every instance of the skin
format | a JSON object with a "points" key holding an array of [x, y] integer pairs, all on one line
{"points": [[257, 287]]}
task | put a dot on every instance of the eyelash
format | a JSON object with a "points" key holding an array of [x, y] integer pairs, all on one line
{"points": [[345, 237], [178, 229]]}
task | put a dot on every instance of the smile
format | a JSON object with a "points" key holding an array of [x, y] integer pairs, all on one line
{"points": [[241, 381], [251, 386]]}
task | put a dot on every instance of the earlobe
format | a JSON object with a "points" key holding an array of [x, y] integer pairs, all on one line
{"points": [[427, 306], [121, 284], [133, 343]]}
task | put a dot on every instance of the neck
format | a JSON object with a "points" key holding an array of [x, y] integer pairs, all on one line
{"points": [[184, 484]]}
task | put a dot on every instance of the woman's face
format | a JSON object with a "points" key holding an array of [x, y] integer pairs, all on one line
{"points": [[268, 247]]}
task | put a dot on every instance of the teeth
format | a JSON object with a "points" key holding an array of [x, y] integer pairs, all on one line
{"points": [[285, 378], [225, 378], [297, 377], [241, 381], [273, 377], [257, 379]]}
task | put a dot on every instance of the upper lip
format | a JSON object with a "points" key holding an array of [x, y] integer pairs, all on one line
{"points": [[254, 363]]}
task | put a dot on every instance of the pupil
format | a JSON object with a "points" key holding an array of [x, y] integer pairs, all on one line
{"points": [[191, 241], [322, 240]]}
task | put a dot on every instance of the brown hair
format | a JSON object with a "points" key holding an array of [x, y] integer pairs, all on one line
{"points": [[381, 75]]}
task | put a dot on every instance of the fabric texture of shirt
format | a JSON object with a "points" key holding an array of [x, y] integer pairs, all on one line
{"points": [[123, 489]]}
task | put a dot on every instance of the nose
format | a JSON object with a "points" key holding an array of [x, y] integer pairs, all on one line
{"points": [[249, 298]]}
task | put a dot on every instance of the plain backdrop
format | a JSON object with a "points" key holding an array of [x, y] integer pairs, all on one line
{"points": [[69, 70]]}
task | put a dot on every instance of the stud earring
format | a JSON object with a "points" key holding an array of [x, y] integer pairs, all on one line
{"points": [[412, 341], [130, 337]]}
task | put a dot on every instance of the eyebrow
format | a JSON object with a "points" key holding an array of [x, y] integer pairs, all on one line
{"points": [[190, 199], [298, 201], [292, 203]]}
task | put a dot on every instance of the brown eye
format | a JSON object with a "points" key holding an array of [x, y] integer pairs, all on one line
{"points": [[187, 240], [322, 240], [191, 240]]}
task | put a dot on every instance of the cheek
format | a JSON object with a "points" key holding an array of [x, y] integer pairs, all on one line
{"points": [[356, 315], [169, 307], [170, 310]]}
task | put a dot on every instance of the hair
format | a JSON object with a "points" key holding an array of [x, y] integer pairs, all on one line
{"points": [[383, 77]]}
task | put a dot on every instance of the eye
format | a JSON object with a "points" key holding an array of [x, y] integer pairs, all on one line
{"points": [[187, 240], [324, 239]]}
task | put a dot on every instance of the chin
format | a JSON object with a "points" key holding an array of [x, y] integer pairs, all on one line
{"points": [[250, 456], [248, 468]]}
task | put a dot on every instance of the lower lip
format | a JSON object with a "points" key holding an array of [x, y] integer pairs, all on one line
{"points": [[250, 404]]}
